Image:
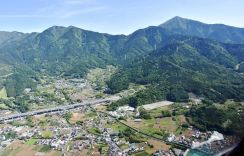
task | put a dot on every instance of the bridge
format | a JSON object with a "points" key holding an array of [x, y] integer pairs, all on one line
{"points": [[51, 110]]}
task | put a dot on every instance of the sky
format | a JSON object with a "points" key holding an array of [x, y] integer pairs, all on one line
{"points": [[114, 16]]}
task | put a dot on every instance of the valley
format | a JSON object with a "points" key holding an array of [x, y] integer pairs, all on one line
{"points": [[170, 89]]}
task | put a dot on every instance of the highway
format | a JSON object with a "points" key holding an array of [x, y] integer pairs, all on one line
{"points": [[51, 110]]}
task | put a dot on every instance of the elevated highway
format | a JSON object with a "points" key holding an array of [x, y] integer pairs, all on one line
{"points": [[51, 110]]}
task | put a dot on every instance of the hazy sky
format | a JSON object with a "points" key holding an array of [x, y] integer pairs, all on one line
{"points": [[114, 16]]}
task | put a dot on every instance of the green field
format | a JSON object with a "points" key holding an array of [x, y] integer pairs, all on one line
{"points": [[116, 126], [94, 131], [3, 106], [31, 142], [3, 93], [142, 154], [45, 149], [47, 134]]}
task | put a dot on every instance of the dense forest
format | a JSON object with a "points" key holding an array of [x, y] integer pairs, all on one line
{"points": [[22, 78], [177, 69], [223, 119]]}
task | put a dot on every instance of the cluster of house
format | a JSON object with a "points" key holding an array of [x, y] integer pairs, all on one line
{"points": [[64, 84], [8, 134], [210, 141], [81, 138], [216, 143], [133, 148], [58, 86], [163, 153], [61, 133], [84, 144]]}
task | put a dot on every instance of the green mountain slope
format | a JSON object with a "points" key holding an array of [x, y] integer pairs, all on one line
{"points": [[194, 65], [60, 49], [7, 37], [218, 32], [153, 55]]}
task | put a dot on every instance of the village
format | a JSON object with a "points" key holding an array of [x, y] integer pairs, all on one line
{"points": [[59, 121], [92, 130]]}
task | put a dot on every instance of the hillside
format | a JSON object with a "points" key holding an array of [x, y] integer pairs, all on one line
{"points": [[194, 65], [218, 32], [7, 37], [156, 56]]}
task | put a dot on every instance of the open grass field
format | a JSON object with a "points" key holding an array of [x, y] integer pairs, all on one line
{"points": [[31, 142], [144, 125], [47, 134], [116, 127], [94, 131], [154, 125], [158, 111], [167, 123], [124, 146], [143, 153]]}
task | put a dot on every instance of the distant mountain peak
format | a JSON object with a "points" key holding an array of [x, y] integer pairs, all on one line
{"points": [[178, 21], [178, 18], [219, 32], [54, 28]]}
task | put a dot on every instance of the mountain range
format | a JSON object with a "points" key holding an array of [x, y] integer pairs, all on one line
{"points": [[218, 32], [172, 59]]}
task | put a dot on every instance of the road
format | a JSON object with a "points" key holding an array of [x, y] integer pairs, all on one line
{"points": [[114, 150], [52, 110]]}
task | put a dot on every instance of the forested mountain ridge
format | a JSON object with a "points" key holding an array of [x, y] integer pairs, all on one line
{"points": [[218, 32], [187, 63], [7, 37], [179, 68]]}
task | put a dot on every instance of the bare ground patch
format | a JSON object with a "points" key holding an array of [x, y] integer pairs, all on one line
{"points": [[76, 117], [157, 145]]}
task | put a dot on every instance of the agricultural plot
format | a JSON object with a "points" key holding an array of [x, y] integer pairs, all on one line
{"points": [[76, 117], [17, 148], [3, 93]]}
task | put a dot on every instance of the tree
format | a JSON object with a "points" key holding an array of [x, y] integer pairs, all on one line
{"points": [[133, 102], [67, 116], [166, 113], [144, 114]]}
